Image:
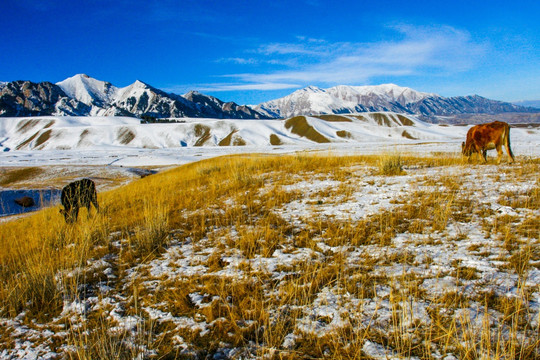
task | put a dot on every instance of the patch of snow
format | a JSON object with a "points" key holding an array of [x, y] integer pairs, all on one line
{"points": [[377, 351], [325, 315]]}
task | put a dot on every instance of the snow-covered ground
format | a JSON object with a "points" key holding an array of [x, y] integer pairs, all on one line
{"points": [[125, 141]]}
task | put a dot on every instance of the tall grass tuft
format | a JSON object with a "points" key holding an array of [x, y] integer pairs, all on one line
{"points": [[153, 233], [33, 288], [101, 338], [390, 165], [34, 258]]}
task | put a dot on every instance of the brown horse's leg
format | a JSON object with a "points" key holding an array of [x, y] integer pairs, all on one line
{"points": [[481, 152], [499, 154]]}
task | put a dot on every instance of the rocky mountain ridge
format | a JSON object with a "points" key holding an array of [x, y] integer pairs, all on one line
{"points": [[82, 95], [344, 99], [25, 98]]}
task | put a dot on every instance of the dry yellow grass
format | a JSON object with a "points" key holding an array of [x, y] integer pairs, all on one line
{"points": [[223, 209]]}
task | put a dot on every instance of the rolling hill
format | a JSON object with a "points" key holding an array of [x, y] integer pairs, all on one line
{"points": [[64, 132]]}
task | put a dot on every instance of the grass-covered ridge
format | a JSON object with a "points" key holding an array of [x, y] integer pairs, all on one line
{"points": [[303, 256]]}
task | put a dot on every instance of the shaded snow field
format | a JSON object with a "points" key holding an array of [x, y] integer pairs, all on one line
{"points": [[433, 259]]}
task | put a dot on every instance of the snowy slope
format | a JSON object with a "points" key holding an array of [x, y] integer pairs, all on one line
{"points": [[94, 132]]}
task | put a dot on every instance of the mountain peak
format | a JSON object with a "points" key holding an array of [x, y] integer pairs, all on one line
{"points": [[80, 77], [88, 90], [140, 85], [312, 88], [192, 93]]}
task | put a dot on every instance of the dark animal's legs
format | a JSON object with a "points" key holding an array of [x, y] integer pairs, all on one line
{"points": [[88, 209], [508, 149], [74, 214], [94, 201], [91, 199]]}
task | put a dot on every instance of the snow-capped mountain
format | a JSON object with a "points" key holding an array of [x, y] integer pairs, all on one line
{"points": [[141, 99], [387, 97], [25, 98], [88, 90], [342, 99], [85, 96], [212, 107], [377, 95]]}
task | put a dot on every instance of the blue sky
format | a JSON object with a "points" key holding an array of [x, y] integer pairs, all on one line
{"points": [[254, 51]]}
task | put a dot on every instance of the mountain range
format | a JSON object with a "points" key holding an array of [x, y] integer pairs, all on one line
{"points": [[82, 95], [387, 97]]}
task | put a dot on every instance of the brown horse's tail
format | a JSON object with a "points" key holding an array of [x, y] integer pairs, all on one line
{"points": [[508, 143]]}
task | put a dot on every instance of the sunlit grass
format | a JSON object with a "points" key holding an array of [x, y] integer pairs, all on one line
{"points": [[226, 208]]}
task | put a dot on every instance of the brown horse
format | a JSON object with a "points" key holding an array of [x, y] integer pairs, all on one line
{"points": [[481, 138]]}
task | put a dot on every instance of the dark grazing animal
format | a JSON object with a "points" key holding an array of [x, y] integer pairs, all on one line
{"points": [[76, 195], [481, 138]]}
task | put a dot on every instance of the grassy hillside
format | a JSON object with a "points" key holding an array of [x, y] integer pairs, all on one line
{"points": [[303, 256]]}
